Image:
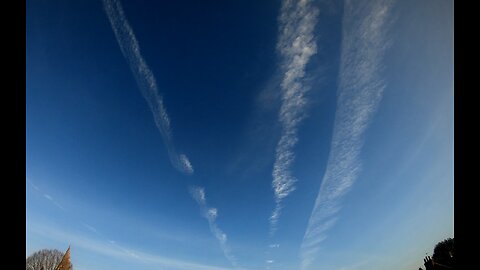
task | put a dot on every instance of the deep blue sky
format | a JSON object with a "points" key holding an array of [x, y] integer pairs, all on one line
{"points": [[99, 176]]}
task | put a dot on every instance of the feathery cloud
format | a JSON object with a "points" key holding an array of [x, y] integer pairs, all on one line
{"points": [[34, 186], [209, 213], [364, 43], [50, 198], [296, 45], [90, 227], [146, 81], [45, 195], [115, 250]]}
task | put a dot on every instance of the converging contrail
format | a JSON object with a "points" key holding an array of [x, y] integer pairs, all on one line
{"points": [[210, 214], [145, 80], [361, 86], [296, 45]]}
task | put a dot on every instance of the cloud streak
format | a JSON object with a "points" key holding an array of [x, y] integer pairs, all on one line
{"points": [[146, 81], [364, 43], [210, 214], [46, 196], [90, 227], [296, 45], [115, 250]]}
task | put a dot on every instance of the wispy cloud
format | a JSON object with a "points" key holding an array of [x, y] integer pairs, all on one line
{"points": [[146, 81], [46, 196], [209, 213], [34, 186], [269, 264], [90, 227], [115, 250], [296, 45], [361, 86]]}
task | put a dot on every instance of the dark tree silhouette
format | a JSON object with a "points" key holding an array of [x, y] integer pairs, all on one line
{"points": [[444, 253], [428, 262], [443, 257]]}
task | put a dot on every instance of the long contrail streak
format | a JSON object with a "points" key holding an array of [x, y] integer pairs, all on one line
{"points": [[146, 81], [296, 45], [360, 90], [210, 214]]}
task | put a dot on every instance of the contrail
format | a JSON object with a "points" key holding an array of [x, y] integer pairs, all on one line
{"points": [[114, 250], [364, 43], [46, 196], [145, 80], [210, 214], [296, 46]]}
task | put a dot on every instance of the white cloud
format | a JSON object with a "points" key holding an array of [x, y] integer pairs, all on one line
{"points": [[212, 213], [146, 81], [114, 250], [48, 197], [198, 193], [363, 46], [296, 45], [35, 187], [90, 227], [186, 163], [209, 213]]}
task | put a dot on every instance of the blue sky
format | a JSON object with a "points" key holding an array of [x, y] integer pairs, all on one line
{"points": [[240, 135]]}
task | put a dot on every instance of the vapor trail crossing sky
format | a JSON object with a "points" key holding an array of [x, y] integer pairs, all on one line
{"points": [[296, 45], [364, 43], [294, 134], [146, 81]]}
